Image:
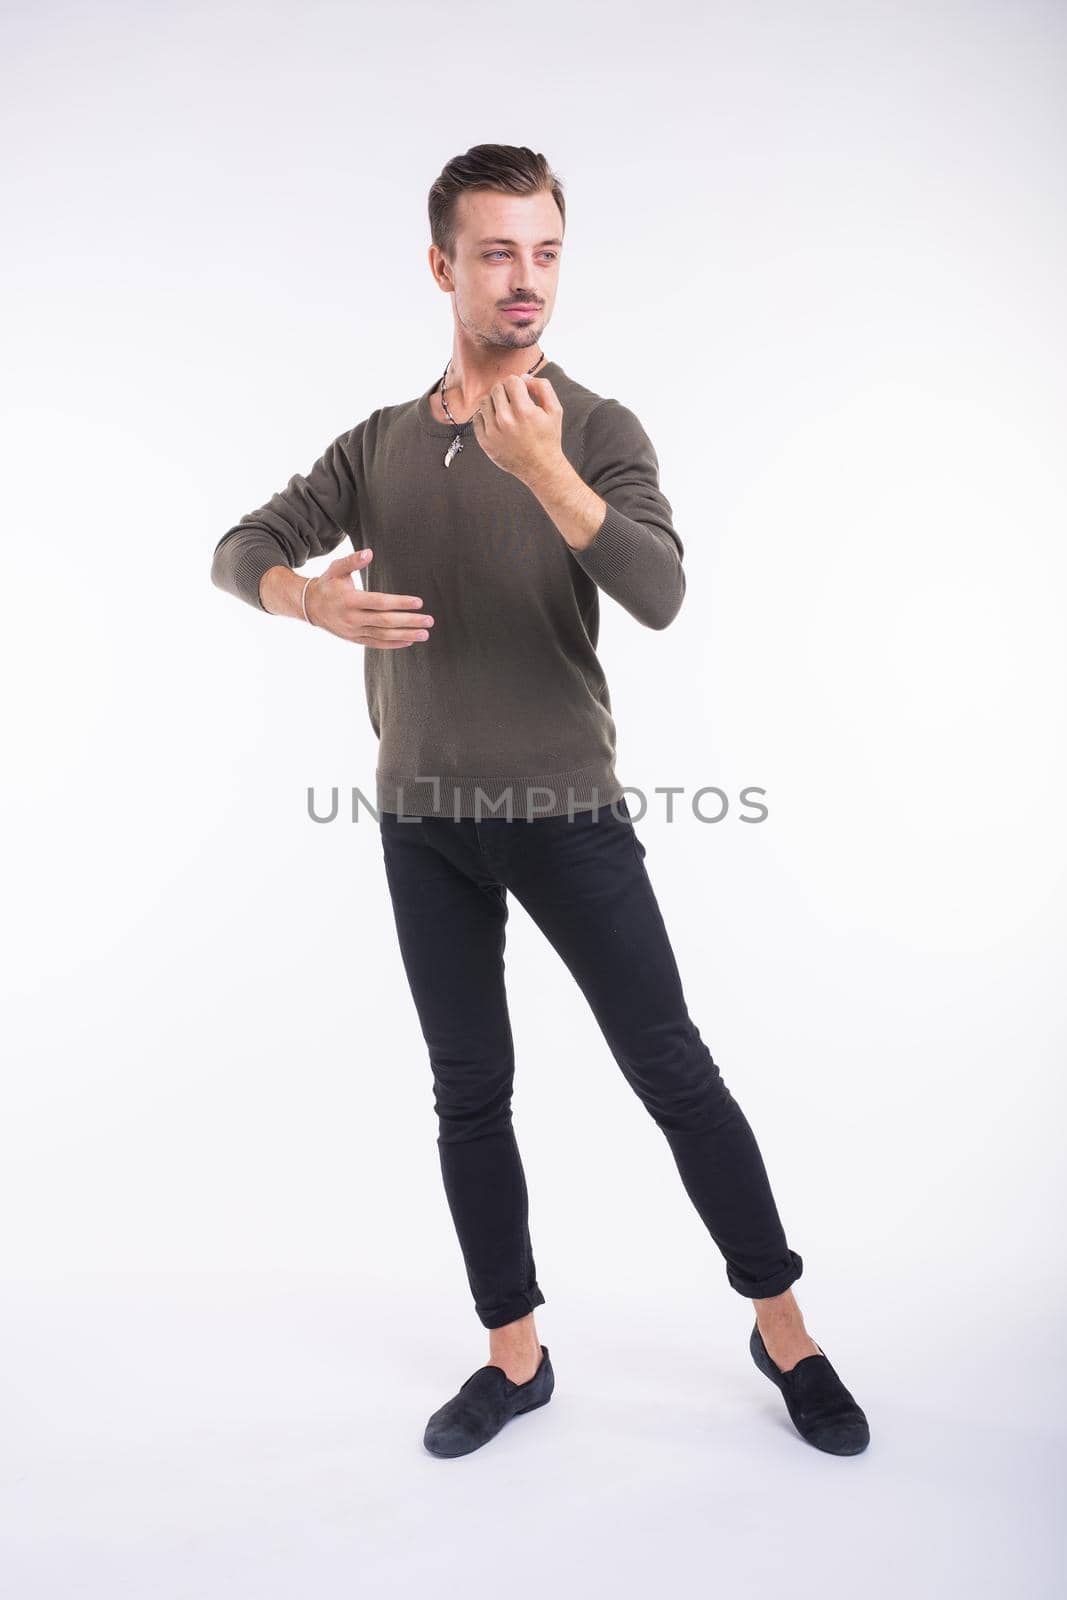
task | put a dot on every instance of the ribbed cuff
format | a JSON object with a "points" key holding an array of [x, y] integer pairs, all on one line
{"points": [[630, 564], [613, 548], [239, 566]]}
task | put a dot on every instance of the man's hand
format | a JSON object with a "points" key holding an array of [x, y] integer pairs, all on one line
{"points": [[519, 425], [333, 602]]}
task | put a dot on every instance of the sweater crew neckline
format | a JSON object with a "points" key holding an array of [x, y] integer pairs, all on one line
{"points": [[448, 430]]}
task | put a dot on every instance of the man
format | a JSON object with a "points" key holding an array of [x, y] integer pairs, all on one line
{"points": [[505, 499]]}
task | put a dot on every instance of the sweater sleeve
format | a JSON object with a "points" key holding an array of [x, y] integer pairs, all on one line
{"points": [[636, 556], [309, 517]]}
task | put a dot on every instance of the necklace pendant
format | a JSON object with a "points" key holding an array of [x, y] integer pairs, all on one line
{"points": [[453, 450]]}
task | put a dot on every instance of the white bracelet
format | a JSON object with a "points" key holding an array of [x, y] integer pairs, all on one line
{"points": [[303, 592]]}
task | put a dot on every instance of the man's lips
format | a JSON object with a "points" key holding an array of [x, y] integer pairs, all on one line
{"points": [[521, 310]]}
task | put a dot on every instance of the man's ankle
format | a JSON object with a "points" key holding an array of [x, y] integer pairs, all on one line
{"points": [[779, 1310]]}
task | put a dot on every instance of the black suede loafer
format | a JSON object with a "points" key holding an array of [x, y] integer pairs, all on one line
{"points": [[485, 1402], [821, 1408]]}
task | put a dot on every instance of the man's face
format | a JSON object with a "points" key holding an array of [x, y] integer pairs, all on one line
{"points": [[508, 249]]}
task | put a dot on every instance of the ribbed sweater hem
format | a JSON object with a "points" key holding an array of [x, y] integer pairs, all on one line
{"points": [[459, 795]]}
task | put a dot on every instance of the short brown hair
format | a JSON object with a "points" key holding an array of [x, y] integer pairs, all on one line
{"points": [[508, 168]]}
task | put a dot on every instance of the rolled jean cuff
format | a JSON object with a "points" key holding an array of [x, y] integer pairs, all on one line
{"points": [[775, 1283], [520, 1305]]}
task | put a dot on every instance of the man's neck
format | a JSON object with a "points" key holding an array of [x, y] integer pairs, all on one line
{"points": [[469, 379]]}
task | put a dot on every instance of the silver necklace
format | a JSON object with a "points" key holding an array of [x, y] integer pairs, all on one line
{"points": [[457, 443]]}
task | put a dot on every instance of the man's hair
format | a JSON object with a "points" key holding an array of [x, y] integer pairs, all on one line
{"points": [[507, 168]]}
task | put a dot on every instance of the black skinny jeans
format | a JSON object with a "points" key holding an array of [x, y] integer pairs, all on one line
{"points": [[584, 883]]}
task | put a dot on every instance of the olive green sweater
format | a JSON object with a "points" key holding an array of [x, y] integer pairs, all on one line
{"points": [[504, 710]]}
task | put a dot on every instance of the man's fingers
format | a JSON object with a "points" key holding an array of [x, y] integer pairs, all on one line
{"points": [[519, 398], [377, 635], [364, 616], [373, 600], [396, 622], [543, 394], [498, 400], [375, 618]]}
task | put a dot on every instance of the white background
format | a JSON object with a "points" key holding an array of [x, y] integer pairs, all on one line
{"points": [[819, 249]]}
